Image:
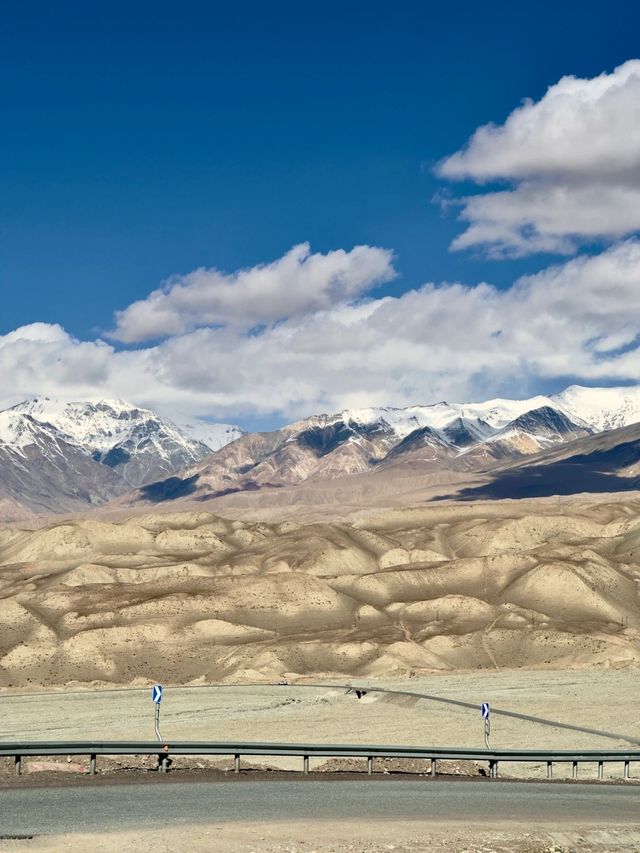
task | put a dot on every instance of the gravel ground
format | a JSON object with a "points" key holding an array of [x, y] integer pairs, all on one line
{"points": [[601, 699], [327, 837]]}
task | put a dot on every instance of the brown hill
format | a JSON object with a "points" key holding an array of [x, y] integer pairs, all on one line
{"points": [[416, 471]]}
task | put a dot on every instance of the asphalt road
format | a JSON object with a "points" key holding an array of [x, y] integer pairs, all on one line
{"points": [[84, 808]]}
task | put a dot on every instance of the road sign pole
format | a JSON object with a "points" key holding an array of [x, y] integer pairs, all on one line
{"points": [[158, 721], [485, 710], [156, 698]]}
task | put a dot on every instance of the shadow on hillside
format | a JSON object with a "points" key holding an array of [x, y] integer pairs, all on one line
{"points": [[169, 489], [586, 472], [176, 487]]}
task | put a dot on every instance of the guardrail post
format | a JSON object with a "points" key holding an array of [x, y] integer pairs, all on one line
{"points": [[236, 763], [305, 764], [574, 769], [626, 770], [18, 764], [370, 765], [549, 769], [433, 767], [600, 769], [92, 765]]}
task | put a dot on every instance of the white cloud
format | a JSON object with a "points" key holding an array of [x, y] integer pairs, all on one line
{"points": [[573, 160], [306, 334], [36, 332], [578, 320], [293, 285], [42, 358]]}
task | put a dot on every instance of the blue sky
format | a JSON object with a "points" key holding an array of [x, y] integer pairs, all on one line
{"points": [[143, 141]]}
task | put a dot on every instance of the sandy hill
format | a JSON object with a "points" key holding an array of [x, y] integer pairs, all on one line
{"points": [[188, 596]]}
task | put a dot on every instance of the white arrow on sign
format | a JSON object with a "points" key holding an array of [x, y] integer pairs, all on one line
{"points": [[486, 710], [156, 693]]}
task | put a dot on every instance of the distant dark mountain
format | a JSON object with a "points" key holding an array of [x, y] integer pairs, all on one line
{"points": [[606, 462], [465, 433], [428, 445], [546, 423]]}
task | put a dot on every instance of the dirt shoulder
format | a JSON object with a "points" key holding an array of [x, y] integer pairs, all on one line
{"points": [[352, 836]]}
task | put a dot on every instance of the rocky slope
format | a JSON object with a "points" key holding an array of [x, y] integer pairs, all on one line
{"points": [[605, 462]]}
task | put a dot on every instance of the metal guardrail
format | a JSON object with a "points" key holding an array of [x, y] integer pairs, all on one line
{"points": [[311, 750]]}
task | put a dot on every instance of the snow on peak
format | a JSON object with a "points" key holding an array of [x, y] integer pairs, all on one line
{"points": [[18, 431], [492, 413], [403, 421], [214, 436], [601, 408], [101, 424], [96, 425]]}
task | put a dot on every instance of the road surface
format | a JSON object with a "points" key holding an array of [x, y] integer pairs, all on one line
{"points": [[86, 808]]}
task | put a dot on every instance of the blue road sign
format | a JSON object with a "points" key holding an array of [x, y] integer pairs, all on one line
{"points": [[156, 693], [484, 708]]}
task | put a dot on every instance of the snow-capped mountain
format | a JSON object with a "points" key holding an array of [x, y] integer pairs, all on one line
{"points": [[595, 409], [42, 471], [442, 437], [213, 436], [493, 414], [97, 449], [100, 426], [17, 432]]}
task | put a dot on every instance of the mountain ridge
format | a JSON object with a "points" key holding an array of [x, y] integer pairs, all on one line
{"points": [[458, 437]]}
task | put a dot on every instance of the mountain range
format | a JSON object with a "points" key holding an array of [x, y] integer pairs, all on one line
{"points": [[437, 439], [58, 456]]}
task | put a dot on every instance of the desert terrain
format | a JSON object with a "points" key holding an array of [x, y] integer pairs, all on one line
{"points": [[193, 597], [603, 701]]}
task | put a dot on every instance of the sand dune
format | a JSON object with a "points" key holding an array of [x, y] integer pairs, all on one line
{"points": [[190, 596]]}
